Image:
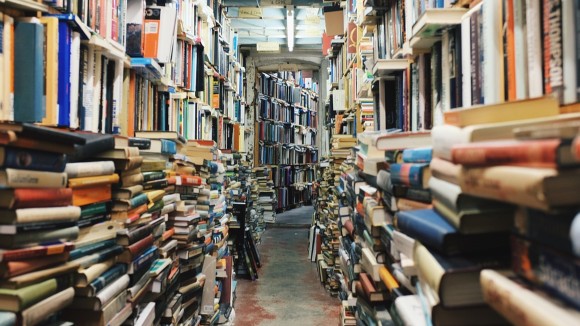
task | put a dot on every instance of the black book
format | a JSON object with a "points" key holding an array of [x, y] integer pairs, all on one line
{"points": [[93, 144]]}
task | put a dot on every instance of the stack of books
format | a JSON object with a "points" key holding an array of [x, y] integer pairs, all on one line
{"points": [[38, 223], [533, 166]]}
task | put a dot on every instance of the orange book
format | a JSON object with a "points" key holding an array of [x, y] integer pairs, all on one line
{"points": [[151, 39], [131, 105], [91, 194], [93, 181], [236, 144], [511, 51], [14, 268]]}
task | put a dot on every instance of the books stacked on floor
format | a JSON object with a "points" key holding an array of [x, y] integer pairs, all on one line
{"points": [[267, 197], [486, 175], [326, 225], [38, 223]]}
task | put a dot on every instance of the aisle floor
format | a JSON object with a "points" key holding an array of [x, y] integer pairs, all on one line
{"points": [[298, 217], [287, 291]]}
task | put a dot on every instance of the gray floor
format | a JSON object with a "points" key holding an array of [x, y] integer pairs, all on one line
{"points": [[297, 217]]}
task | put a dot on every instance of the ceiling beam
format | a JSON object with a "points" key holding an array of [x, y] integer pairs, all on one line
{"points": [[271, 3]]}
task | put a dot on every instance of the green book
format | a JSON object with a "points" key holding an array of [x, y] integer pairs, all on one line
{"points": [[20, 299]]}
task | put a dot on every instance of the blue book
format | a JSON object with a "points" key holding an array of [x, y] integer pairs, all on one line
{"points": [[29, 159], [168, 147], [64, 61], [432, 230], [90, 249], [108, 277], [410, 174], [29, 103], [7, 318], [418, 155]]}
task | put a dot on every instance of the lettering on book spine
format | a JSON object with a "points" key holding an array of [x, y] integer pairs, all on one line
{"points": [[556, 70]]}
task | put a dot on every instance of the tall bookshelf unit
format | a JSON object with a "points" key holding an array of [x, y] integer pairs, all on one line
{"points": [[285, 135]]}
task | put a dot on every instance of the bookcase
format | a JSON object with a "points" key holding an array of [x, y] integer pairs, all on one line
{"points": [[124, 109], [286, 131], [422, 109]]}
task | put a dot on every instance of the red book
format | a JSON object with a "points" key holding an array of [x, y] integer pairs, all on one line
{"points": [[35, 252], [29, 197], [540, 153], [13, 268]]}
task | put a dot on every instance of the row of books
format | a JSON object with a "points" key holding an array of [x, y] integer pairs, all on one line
{"points": [[270, 109], [292, 197], [275, 132], [285, 176], [286, 154], [90, 82]]}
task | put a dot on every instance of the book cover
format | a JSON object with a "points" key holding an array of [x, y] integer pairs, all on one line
{"points": [[45, 308], [29, 103], [89, 169], [31, 197], [15, 178], [433, 230], [28, 159]]}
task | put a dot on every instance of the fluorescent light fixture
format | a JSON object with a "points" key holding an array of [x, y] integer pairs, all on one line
{"points": [[290, 27]]}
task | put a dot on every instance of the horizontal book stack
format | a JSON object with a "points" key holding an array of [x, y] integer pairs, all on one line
{"points": [[534, 166], [38, 223], [263, 194]]}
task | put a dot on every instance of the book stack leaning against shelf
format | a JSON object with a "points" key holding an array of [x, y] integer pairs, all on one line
{"points": [[534, 166], [38, 221]]}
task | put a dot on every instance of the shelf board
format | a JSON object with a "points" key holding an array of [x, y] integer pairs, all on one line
{"points": [[432, 23], [386, 67], [148, 68], [28, 5], [77, 24], [109, 48]]}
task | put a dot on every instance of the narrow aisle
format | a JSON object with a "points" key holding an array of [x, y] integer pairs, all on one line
{"points": [[288, 291]]}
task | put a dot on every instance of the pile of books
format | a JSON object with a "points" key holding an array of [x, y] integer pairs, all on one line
{"points": [[38, 223]]}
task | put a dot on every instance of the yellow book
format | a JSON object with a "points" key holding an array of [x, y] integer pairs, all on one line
{"points": [[51, 70], [546, 106]]}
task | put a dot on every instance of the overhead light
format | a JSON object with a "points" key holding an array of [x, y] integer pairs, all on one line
{"points": [[290, 27]]}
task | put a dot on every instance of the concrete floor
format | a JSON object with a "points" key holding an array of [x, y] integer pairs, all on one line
{"points": [[287, 291], [297, 217]]}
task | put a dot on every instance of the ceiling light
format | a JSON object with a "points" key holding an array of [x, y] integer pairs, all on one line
{"points": [[290, 27]]}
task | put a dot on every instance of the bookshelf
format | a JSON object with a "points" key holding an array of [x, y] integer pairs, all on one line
{"points": [[286, 134], [433, 67], [140, 230]]}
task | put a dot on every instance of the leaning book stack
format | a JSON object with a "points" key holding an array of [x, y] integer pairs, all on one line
{"points": [[38, 222]]}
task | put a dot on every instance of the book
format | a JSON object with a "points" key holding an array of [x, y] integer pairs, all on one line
{"points": [[535, 153], [434, 231], [35, 252], [546, 106], [85, 276], [119, 153], [402, 140], [415, 175], [13, 178], [92, 194], [103, 297], [417, 155], [35, 197], [540, 188], [27, 159], [106, 278], [28, 72], [518, 299], [38, 237], [40, 214], [455, 280], [45, 308], [19, 299], [171, 135], [89, 169], [18, 228]]}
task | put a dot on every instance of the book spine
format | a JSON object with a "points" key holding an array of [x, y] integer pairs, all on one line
{"points": [[407, 174], [26, 159], [549, 229], [87, 169], [111, 290], [41, 310], [30, 197], [557, 273], [474, 37], [138, 200], [90, 249], [108, 277], [553, 68], [94, 180], [144, 259], [40, 251], [33, 179], [525, 152], [569, 85], [140, 246], [419, 155], [95, 209], [155, 175], [30, 227], [138, 234]]}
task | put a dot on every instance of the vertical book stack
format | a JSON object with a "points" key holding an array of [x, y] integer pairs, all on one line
{"points": [[38, 223]]}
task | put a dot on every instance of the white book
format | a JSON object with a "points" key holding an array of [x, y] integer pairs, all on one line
{"points": [[520, 30], [445, 73], [147, 315], [88, 169], [75, 51], [466, 61], [410, 310], [569, 49], [493, 80], [534, 42]]}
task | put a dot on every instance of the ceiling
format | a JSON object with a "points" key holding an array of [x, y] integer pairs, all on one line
{"points": [[266, 21]]}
